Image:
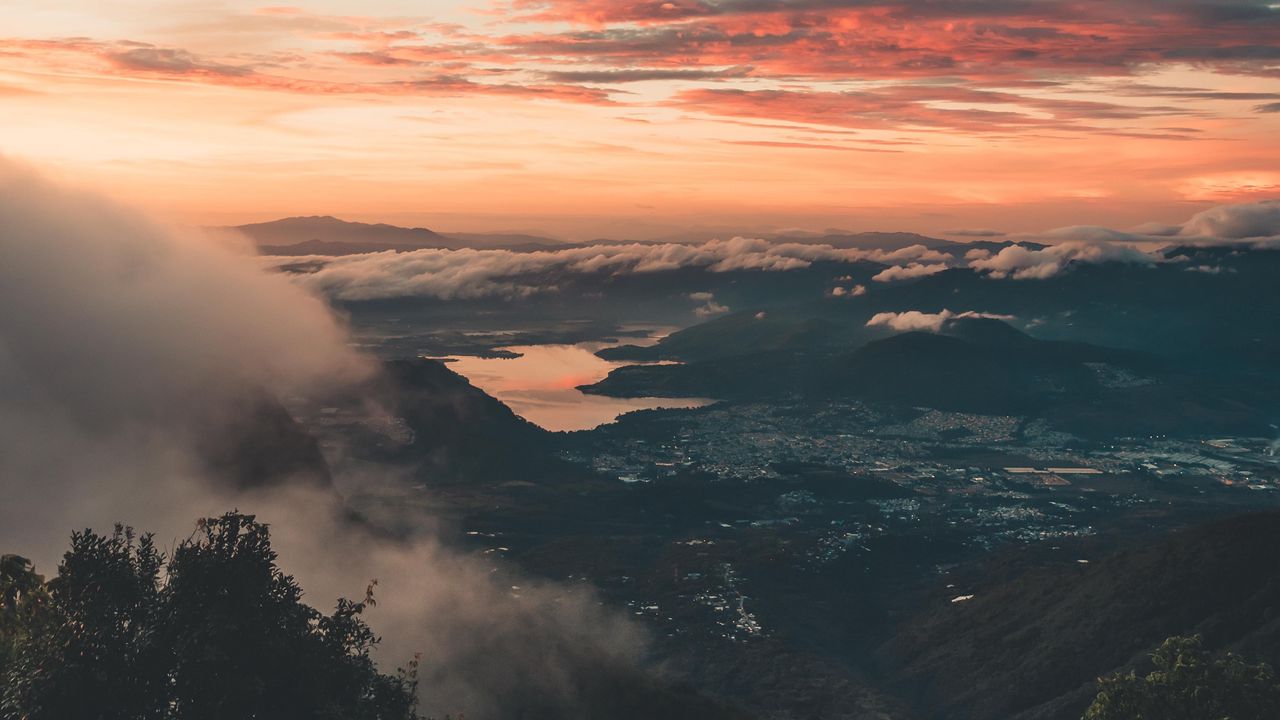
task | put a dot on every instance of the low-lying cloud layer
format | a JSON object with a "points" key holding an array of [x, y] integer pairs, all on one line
{"points": [[1259, 220], [470, 274]]}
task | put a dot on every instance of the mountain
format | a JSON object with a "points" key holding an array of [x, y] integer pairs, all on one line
{"points": [[976, 365], [326, 235], [283, 236], [460, 433], [1030, 647]]}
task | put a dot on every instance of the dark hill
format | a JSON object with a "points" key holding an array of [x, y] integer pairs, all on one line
{"points": [[260, 445], [1031, 647], [975, 365], [460, 433]]}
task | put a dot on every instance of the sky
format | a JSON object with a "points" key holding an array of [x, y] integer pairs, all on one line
{"points": [[638, 118]]}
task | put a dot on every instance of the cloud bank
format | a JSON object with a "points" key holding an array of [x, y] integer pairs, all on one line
{"points": [[1023, 263], [471, 274], [1251, 220], [112, 326]]}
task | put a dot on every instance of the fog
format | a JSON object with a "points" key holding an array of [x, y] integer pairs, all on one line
{"points": [[127, 347]]}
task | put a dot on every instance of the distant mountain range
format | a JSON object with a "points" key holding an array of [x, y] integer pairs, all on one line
{"points": [[327, 235]]}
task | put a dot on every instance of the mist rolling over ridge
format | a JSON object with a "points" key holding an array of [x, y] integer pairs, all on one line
{"points": [[132, 350]]}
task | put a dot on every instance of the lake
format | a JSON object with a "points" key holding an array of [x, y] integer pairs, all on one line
{"points": [[541, 385]]}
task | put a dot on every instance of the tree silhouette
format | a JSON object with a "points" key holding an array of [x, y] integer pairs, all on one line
{"points": [[217, 631]]}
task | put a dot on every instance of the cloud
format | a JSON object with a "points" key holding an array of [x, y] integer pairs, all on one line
{"points": [[929, 59], [103, 309], [854, 291], [643, 75], [903, 39], [916, 321], [952, 107], [1236, 222], [172, 61], [710, 309], [469, 274], [907, 272], [428, 72], [709, 306], [1088, 234], [1023, 263], [1156, 229], [125, 347], [1221, 225]]}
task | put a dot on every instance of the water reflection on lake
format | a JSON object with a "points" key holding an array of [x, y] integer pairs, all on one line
{"points": [[540, 385]]}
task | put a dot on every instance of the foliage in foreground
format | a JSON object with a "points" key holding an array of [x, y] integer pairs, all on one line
{"points": [[216, 631], [1188, 683]]}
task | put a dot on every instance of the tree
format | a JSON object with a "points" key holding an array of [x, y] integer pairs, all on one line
{"points": [[246, 646], [1188, 683], [218, 631], [22, 600]]}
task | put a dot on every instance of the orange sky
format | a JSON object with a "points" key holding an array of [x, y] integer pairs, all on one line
{"points": [[584, 117]]}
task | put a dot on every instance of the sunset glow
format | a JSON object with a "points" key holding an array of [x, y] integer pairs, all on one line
{"points": [[610, 116]]}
